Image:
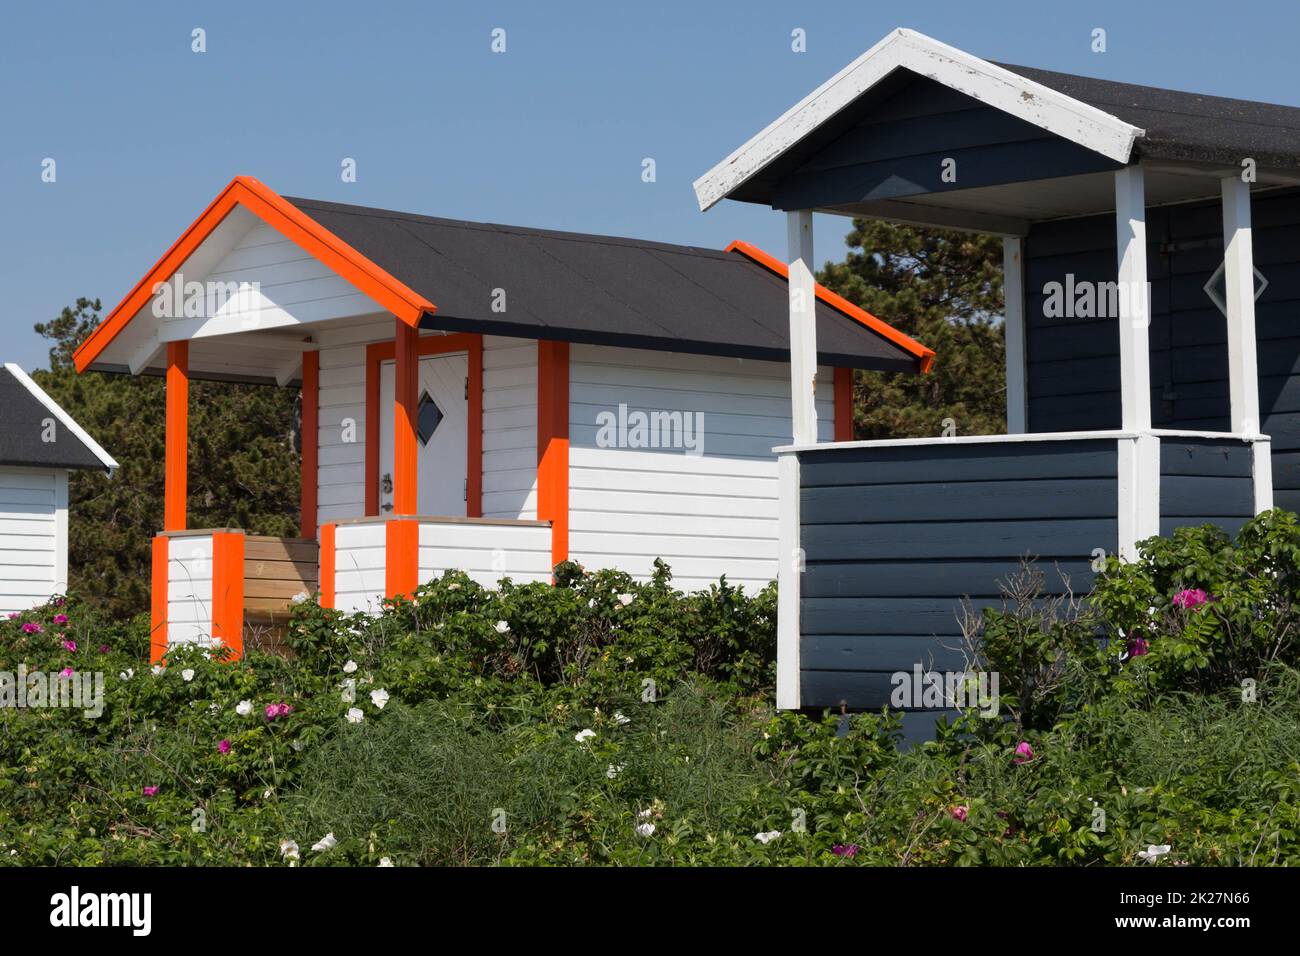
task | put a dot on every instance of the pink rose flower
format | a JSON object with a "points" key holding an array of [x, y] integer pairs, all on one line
{"points": [[223, 747], [69, 645], [959, 813], [278, 710], [151, 791], [1024, 752], [60, 619], [1138, 647], [31, 627], [14, 615], [66, 672], [845, 849], [104, 648], [1190, 597]]}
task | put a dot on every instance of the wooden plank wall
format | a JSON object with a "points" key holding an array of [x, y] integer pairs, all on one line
{"points": [[895, 537], [275, 570], [1205, 481], [1073, 363]]}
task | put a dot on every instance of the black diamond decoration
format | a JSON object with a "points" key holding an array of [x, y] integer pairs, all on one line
{"points": [[427, 417]]}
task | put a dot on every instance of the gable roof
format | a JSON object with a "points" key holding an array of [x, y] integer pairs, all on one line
{"points": [[25, 413], [605, 290], [1119, 121], [563, 286]]}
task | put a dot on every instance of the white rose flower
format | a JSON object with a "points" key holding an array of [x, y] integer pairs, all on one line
{"points": [[157, 670], [614, 770], [127, 674], [620, 719], [327, 842], [350, 667], [645, 829], [379, 698], [188, 674], [502, 627], [583, 736], [355, 715], [244, 708], [386, 861], [767, 836], [1154, 852], [289, 849], [625, 599]]}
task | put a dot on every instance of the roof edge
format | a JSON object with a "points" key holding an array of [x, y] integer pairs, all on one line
{"points": [[291, 222], [107, 460], [981, 79], [921, 354]]}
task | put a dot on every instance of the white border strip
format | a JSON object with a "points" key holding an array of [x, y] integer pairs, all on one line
{"points": [[39, 394]]}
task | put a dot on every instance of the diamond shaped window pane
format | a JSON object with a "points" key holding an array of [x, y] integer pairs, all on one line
{"points": [[427, 417], [1217, 287]]}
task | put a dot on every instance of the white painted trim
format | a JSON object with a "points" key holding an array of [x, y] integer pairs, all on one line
{"points": [[1239, 297], [1013, 286], [1000, 88], [788, 572], [932, 215], [143, 357], [803, 327], [1138, 493], [290, 370], [1262, 472], [39, 394], [1134, 299], [61, 531], [961, 440], [1181, 433]]}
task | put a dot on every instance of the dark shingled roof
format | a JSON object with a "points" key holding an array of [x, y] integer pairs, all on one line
{"points": [[23, 429], [596, 289], [1187, 126]]}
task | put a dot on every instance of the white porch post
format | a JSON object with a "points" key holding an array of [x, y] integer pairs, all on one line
{"points": [[1139, 457], [803, 416], [803, 327], [1239, 297], [1013, 293]]}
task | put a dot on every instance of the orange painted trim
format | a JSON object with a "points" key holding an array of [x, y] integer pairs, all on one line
{"points": [[158, 600], [379, 352], [553, 444], [401, 557], [292, 223], [844, 404], [924, 356], [310, 444], [327, 561], [176, 438], [406, 447], [228, 590]]}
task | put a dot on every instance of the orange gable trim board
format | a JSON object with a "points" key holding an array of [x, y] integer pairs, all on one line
{"points": [[844, 404], [378, 352], [176, 438], [289, 221], [924, 356], [553, 444], [158, 600], [228, 590], [310, 443]]}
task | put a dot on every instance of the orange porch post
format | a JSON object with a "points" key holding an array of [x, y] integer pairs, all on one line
{"points": [[553, 444], [176, 442], [402, 536]]}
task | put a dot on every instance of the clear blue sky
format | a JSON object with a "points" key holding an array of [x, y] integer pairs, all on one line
{"points": [[551, 133]]}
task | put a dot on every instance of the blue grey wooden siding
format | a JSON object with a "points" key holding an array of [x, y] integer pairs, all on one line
{"points": [[1073, 363], [904, 130], [1205, 481], [895, 537]]}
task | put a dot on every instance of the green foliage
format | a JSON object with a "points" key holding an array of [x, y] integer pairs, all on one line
{"points": [[945, 290], [243, 468]]}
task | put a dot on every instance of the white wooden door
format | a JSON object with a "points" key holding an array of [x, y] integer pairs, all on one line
{"points": [[442, 432]]}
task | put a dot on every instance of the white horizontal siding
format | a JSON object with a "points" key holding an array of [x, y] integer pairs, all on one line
{"points": [[486, 552], [189, 589], [341, 428], [29, 537], [359, 579], [509, 428], [706, 514]]}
